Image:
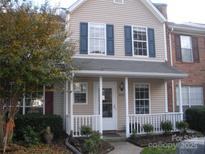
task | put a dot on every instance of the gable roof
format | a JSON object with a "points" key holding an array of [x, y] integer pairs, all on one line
{"points": [[147, 3]]}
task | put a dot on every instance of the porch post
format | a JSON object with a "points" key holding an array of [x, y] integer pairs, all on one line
{"points": [[166, 97], [180, 99], [126, 107], [101, 110], [71, 105], [44, 99], [66, 106]]}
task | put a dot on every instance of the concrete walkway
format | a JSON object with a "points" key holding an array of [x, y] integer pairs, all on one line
{"points": [[125, 148]]}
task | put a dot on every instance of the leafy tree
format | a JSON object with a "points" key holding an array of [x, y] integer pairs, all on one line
{"points": [[34, 51]]}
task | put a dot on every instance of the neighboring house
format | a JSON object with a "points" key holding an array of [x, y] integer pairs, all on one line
{"points": [[187, 50], [121, 78]]}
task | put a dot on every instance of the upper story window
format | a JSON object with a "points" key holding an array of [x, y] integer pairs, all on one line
{"points": [[118, 1], [80, 92], [97, 38], [186, 48], [140, 41]]}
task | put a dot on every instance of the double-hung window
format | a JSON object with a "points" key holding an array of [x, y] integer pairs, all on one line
{"points": [[140, 41], [142, 98], [191, 96], [80, 92], [186, 48], [97, 38], [32, 101]]}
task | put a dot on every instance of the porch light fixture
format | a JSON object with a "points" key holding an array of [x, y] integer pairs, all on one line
{"points": [[121, 87]]}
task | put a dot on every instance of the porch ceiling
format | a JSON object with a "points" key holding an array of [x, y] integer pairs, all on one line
{"points": [[142, 69]]}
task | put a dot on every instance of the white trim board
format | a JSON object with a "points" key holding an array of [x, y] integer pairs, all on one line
{"points": [[147, 4]]}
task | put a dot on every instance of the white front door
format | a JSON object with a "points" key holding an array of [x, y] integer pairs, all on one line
{"points": [[109, 104]]}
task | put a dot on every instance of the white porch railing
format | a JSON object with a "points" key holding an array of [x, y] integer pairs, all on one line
{"points": [[136, 121], [92, 121]]}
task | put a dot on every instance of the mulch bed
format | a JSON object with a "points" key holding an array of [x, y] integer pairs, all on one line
{"points": [[105, 147], [39, 149], [146, 140]]}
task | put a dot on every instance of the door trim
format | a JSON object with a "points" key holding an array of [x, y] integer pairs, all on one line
{"points": [[112, 84]]}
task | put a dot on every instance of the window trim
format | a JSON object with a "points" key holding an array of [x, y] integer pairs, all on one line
{"points": [[142, 83], [180, 36], [133, 52], [123, 2], [86, 103], [95, 54]]}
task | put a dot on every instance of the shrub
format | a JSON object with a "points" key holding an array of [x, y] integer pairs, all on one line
{"points": [[148, 128], [30, 137], [166, 126], [182, 126], [92, 145], [134, 134], [195, 117], [38, 122], [85, 130]]}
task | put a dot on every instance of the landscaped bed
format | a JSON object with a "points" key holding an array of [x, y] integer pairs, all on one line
{"points": [[85, 145], [159, 139], [38, 149]]}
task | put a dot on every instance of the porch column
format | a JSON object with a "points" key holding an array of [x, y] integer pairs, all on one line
{"points": [[44, 99], [166, 97], [71, 105], [101, 99], [180, 99], [126, 107], [66, 106]]}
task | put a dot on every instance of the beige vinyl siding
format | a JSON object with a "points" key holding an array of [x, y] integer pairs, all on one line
{"points": [[157, 92], [133, 12]]}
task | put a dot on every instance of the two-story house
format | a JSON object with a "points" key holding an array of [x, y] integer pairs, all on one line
{"points": [[187, 53], [120, 82]]}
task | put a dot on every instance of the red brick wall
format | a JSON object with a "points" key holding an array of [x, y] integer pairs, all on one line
{"points": [[196, 71]]}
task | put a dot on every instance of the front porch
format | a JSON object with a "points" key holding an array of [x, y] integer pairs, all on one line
{"points": [[124, 113]]}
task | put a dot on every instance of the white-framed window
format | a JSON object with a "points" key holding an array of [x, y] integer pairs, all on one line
{"points": [[142, 98], [32, 101], [97, 38], [186, 48], [140, 41], [118, 1], [80, 92], [191, 96]]}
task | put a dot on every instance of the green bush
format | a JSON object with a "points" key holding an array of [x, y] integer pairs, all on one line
{"points": [[148, 128], [85, 130], [38, 122], [195, 117], [92, 145], [30, 137], [166, 126], [182, 126]]}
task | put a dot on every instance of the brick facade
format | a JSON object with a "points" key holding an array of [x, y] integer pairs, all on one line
{"points": [[195, 70]]}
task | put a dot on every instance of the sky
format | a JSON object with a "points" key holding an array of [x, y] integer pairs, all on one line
{"points": [[179, 11]]}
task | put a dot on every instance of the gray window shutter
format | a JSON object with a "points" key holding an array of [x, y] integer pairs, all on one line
{"points": [[83, 38], [195, 49], [128, 40], [110, 39], [178, 47], [151, 42]]}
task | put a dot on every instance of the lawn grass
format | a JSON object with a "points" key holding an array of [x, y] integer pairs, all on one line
{"points": [[171, 150]]}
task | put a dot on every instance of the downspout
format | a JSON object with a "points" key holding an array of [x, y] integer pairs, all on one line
{"points": [[171, 61]]}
